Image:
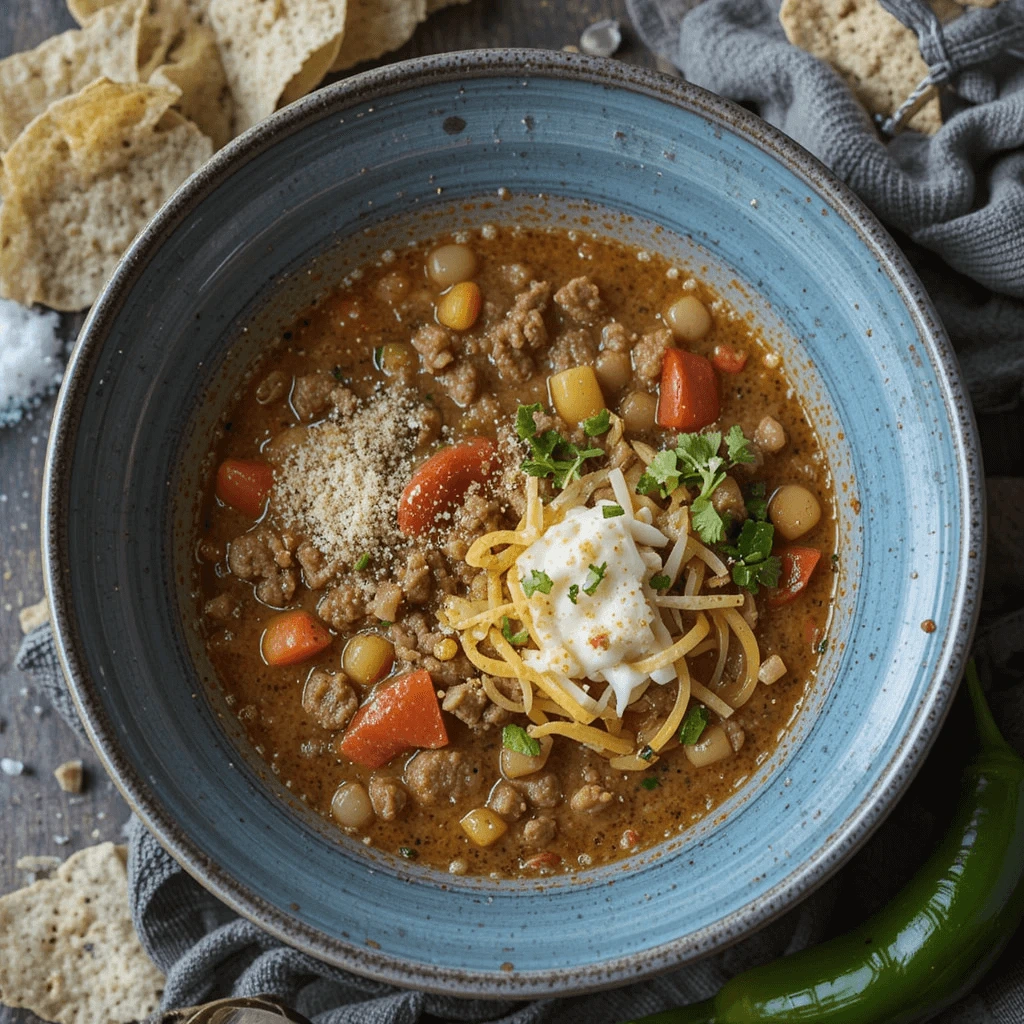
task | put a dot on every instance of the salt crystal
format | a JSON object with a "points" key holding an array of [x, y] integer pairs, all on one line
{"points": [[11, 767], [30, 359], [602, 38]]}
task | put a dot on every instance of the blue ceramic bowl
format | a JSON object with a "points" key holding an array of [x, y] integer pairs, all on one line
{"points": [[318, 188]]}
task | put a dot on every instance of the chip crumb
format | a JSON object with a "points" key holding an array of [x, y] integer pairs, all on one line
{"points": [[68, 950], [38, 865], [69, 776], [11, 767], [33, 616]]}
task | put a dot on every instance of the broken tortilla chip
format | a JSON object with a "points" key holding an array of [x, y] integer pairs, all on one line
{"points": [[64, 64], [376, 27], [68, 950], [80, 183], [266, 46], [194, 67]]}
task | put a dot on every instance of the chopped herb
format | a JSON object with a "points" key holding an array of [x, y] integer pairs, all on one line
{"points": [[537, 580], [337, 374], [757, 504], [611, 511], [378, 357], [693, 726], [429, 398], [646, 754], [515, 737], [386, 623], [597, 425], [594, 577], [661, 582], [695, 462], [823, 647], [551, 454], [835, 563], [755, 565], [516, 639], [408, 852], [650, 782], [363, 562], [574, 592]]}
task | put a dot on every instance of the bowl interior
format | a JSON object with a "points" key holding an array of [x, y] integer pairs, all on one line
{"points": [[283, 212]]}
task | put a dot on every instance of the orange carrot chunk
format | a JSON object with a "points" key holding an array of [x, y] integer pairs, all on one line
{"points": [[727, 359], [244, 484], [401, 715], [442, 481], [797, 566], [689, 391], [292, 637]]}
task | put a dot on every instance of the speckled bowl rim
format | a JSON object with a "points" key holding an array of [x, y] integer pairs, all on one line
{"points": [[928, 717]]}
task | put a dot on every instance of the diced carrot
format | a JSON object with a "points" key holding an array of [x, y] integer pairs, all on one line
{"points": [[689, 391], [797, 566], [292, 637], [728, 359], [401, 715], [244, 484], [442, 481]]}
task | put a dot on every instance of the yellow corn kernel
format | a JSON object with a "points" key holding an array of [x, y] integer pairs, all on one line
{"points": [[576, 394], [446, 649], [483, 826], [459, 307]]}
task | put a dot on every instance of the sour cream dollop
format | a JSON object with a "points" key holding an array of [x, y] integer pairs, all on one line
{"points": [[599, 635]]}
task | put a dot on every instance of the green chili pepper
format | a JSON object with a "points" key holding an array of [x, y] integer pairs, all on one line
{"points": [[928, 947]]}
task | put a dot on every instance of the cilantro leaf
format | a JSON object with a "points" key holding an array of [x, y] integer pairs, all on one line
{"points": [[660, 582], [597, 425], [757, 504], [755, 565], [525, 425], [408, 852], [738, 446], [550, 453], [574, 592], [693, 726], [594, 577], [515, 737], [706, 520], [516, 639], [651, 782], [537, 580], [611, 511]]}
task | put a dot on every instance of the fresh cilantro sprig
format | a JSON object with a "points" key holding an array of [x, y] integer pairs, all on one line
{"points": [[597, 425], [515, 639], [536, 580], [693, 726], [695, 462], [595, 573], [756, 502], [515, 737], [550, 453], [755, 566]]}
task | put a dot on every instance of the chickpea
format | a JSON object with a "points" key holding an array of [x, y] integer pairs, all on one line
{"points": [[638, 410], [727, 498], [770, 436], [689, 318], [351, 805], [393, 287], [793, 511], [367, 658], [273, 387], [398, 359], [614, 370], [278, 448], [450, 264]]}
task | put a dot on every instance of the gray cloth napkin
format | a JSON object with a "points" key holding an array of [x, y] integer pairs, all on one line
{"points": [[208, 952], [955, 200]]}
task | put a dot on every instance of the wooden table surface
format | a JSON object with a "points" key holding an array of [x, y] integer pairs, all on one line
{"points": [[35, 816]]}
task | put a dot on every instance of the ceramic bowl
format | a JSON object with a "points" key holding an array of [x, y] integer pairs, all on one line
{"points": [[281, 212]]}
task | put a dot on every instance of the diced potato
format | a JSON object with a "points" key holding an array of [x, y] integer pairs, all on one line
{"points": [[483, 826], [515, 765], [576, 394], [351, 805], [367, 658], [772, 670], [713, 746]]}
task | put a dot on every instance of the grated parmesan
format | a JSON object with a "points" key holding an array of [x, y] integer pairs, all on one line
{"points": [[341, 486]]}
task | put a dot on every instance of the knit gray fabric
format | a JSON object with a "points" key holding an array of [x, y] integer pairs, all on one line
{"points": [[954, 199]]}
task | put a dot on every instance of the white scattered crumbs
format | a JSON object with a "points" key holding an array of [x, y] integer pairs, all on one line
{"points": [[461, 237], [387, 256], [689, 285], [11, 767], [672, 273], [31, 363], [772, 360], [753, 203], [489, 231], [360, 466]]}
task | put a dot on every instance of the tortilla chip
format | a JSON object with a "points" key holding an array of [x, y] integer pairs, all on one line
{"points": [[194, 67], [436, 5], [376, 27], [876, 55], [64, 64], [83, 10], [80, 183], [266, 44], [68, 950], [160, 24]]}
